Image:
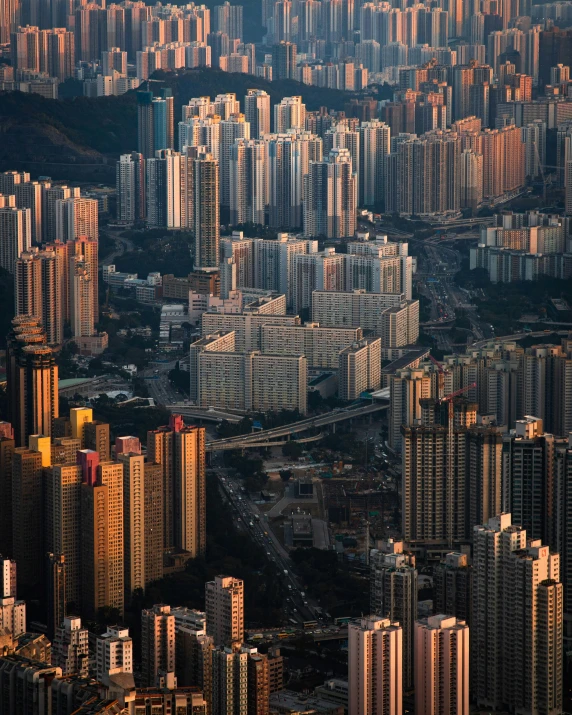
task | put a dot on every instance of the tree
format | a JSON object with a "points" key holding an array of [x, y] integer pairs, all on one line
{"points": [[292, 449], [285, 474]]}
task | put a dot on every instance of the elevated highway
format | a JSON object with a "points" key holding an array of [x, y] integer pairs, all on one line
{"points": [[265, 438]]}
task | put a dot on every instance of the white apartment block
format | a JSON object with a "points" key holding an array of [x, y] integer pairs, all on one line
{"points": [[400, 325], [321, 346], [71, 647], [289, 114], [441, 666], [114, 653], [352, 308], [15, 232], [359, 368], [246, 326], [12, 616], [387, 315], [375, 667], [252, 381], [381, 248], [219, 342], [224, 602], [406, 388], [317, 271], [12, 612], [265, 264], [373, 274]]}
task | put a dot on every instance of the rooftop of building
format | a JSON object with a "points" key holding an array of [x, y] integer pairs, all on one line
{"points": [[414, 352]]}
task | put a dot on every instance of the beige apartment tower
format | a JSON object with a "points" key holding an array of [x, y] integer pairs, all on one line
{"points": [[153, 525], [63, 524], [206, 211], [27, 534], [134, 521], [359, 368], [441, 666], [160, 450], [374, 667], [102, 540], [225, 610], [157, 644], [189, 490], [516, 643]]}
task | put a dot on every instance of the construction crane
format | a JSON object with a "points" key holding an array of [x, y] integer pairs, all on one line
{"points": [[450, 467]]}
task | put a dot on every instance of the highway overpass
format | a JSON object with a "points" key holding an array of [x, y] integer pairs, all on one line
{"points": [[265, 438]]}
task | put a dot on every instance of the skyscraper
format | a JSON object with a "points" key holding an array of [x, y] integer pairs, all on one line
{"points": [[528, 470], [96, 437], [27, 508], [453, 583], [157, 644], [32, 380], [130, 187], [231, 129], [247, 182], [29, 195], [56, 592], [134, 518], [9, 19], [85, 250], [77, 217], [257, 668], [52, 195], [435, 469], [165, 194], [288, 158], [406, 388], [230, 680], [330, 197], [79, 417], [228, 19], [153, 525], [189, 490], [82, 308], [393, 595], [145, 136], [516, 641], [15, 232], [206, 204], [7, 444], [37, 292], [193, 650], [257, 112], [441, 666], [63, 529], [102, 558], [374, 147], [161, 450], [374, 667], [289, 114], [88, 45], [224, 599]]}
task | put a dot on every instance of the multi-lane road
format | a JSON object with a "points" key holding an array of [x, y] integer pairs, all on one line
{"points": [[298, 606], [157, 380]]}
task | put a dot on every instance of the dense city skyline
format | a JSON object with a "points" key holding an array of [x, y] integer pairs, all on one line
{"points": [[286, 368]]}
